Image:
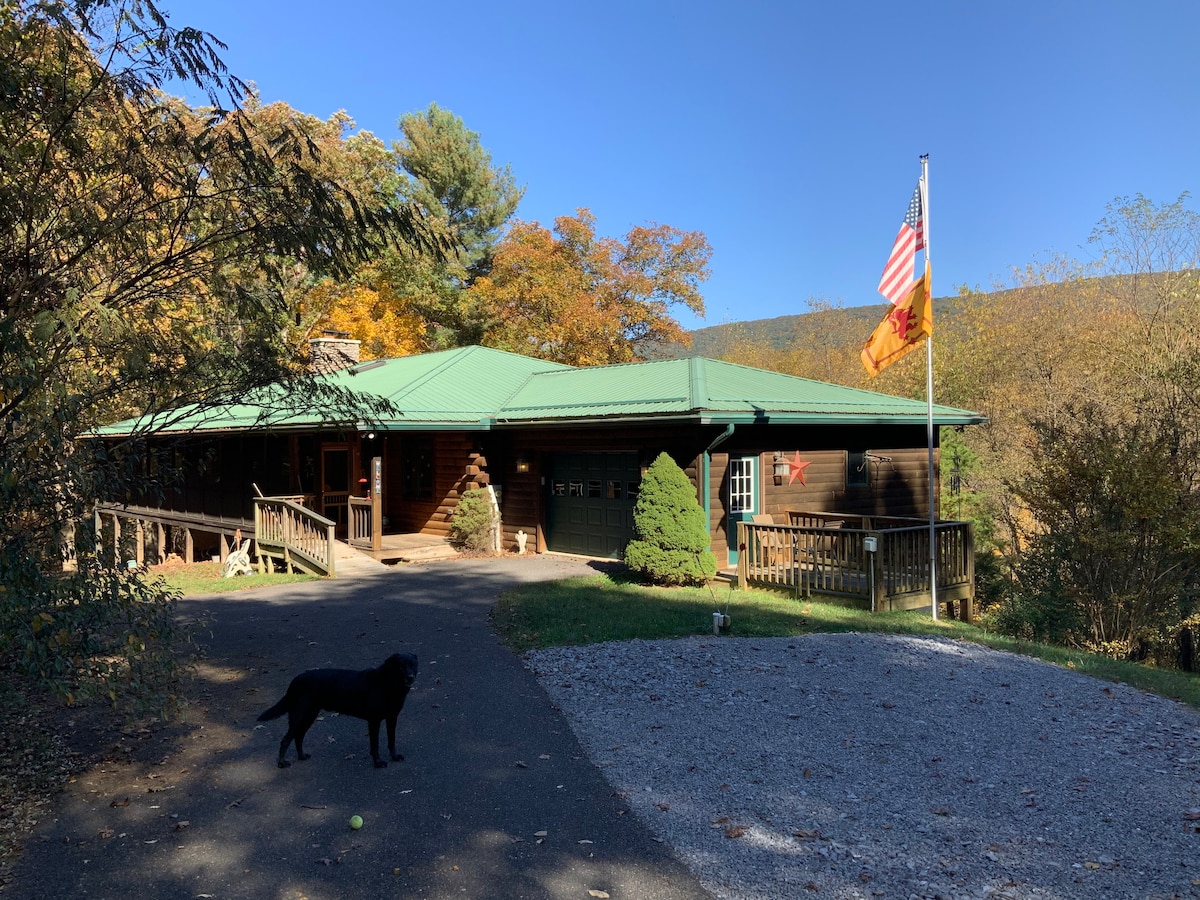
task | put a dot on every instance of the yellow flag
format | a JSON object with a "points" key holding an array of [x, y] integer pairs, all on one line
{"points": [[904, 327]]}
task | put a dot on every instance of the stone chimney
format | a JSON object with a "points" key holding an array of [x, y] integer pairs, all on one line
{"points": [[331, 352]]}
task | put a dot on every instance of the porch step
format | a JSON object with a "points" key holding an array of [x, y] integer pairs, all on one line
{"points": [[418, 554], [403, 548]]}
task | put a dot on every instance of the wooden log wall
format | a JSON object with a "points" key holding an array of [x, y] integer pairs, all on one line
{"points": [[523, 493]]}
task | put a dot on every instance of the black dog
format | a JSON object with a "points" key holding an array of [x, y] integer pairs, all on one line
{"points": [[374, 695]]}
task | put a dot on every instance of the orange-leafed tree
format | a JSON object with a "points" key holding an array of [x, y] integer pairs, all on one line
{"points": [[573, 297]]}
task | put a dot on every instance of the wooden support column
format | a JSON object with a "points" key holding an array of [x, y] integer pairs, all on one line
{"points": [[189, 546], [116, 550], [878, 582], [139, 544]]}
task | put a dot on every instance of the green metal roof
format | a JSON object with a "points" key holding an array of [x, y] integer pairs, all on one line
{"points": [[477, 387], [712, 391]]}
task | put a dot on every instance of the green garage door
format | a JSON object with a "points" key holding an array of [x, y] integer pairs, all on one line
{"points": [[590, 508]]}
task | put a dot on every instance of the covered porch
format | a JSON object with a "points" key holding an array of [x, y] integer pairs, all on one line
{"points": [[881, 563]]}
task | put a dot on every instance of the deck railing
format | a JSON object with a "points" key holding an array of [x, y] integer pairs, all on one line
{"points": [[366, 523], [835, 558], [295, 535]]}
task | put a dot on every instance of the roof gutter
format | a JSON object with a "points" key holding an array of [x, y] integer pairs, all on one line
{"points": [[705, 473]]}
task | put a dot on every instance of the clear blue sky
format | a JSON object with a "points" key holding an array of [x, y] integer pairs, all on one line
{"points": [[788, 132]]}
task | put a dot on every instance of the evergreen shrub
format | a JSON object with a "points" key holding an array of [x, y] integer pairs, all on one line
{"points": [[673, 544], [471, 522]]}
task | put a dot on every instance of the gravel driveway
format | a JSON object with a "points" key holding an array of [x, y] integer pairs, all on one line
{"points": [[852, 766]]}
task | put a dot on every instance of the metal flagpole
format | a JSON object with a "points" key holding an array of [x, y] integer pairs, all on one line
{"points": [[933, 554]]}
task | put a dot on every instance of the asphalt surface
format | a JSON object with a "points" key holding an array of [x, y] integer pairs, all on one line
{"points": [[494, 799]]}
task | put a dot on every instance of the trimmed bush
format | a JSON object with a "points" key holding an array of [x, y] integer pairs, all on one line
{"points": [[471, 522], [672, 545]]}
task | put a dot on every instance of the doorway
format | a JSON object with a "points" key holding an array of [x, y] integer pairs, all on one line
{"points": [[335, 485], [742, 501]]}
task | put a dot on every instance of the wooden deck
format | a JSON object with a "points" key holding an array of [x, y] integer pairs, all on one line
{"points": [[882, 564]]}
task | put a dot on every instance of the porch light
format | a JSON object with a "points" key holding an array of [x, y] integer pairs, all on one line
{"points": [[522, 465], [780, 467]]}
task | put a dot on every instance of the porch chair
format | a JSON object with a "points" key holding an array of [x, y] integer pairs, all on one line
{"points": [[771, 544]]}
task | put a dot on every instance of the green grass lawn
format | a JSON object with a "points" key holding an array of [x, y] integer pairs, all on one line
{"points": [[598, 608], [205, 578]]}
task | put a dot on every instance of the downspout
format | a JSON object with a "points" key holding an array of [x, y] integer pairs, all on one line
{"points": [[705, 471], [698, 389]]}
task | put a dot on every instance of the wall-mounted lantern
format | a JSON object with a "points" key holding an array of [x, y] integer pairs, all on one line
{"points": [[780, 468], [522, 464]]}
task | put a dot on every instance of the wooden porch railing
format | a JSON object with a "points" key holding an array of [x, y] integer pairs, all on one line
{"points": [[299, 537], [366, 523], [824, 553]]}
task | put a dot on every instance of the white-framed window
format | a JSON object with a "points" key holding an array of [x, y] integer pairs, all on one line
{"points": [[742, 488]]}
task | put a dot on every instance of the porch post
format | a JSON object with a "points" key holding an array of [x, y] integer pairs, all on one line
{"points": [[377, 503], [878, 582]]}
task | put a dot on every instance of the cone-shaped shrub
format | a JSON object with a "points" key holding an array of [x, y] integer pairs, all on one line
{"points": [[672, 545]]}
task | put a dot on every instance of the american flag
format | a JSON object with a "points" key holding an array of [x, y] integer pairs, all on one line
{"points": [[898, 273]]}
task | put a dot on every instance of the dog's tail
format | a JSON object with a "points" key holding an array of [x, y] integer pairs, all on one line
{"points": [[275, 711]]}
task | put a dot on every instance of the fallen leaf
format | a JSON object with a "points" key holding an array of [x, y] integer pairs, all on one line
{"points": [[602, 895], [540, 833], [543, 756], [1192, 815], [720, 821], [736, 831], [521, 764], [663, 806], [1091, 865], [585, 841], [117, 803], [804, 834]]}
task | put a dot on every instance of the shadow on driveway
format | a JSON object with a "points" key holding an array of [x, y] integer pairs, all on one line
{"points": [[495, 798]]}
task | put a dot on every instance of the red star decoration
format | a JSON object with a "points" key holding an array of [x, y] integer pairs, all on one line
{"points": [[798, 468]]}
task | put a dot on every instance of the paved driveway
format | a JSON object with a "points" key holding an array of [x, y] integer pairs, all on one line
{"points": [[495, 799]]}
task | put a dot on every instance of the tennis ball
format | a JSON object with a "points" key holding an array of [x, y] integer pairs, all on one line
{"points": [[356, 822]]}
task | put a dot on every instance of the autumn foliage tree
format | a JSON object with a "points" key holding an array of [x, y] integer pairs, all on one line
{"points": [[405, 300], [573, 297], [146, 249]]}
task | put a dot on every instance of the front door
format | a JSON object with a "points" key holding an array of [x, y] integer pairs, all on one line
{"points": [[335, 484], [742, 502]]}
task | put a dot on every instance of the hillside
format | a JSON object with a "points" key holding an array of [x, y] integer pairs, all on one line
{"points": [[781, 332]]}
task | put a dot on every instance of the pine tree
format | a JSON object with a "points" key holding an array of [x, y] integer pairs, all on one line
{"points": [[672, 545]]}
